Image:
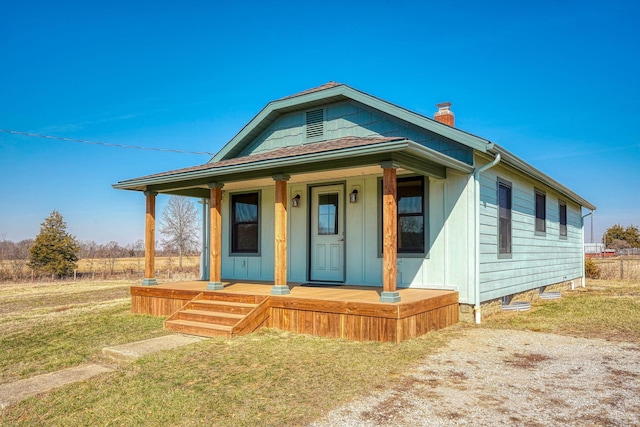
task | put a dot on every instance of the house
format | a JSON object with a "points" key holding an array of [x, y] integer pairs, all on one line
{"points": [[333, 186]]}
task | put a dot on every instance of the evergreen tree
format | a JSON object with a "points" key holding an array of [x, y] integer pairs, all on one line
{"points": [[54, 250], [632, 236], [617, 234]]}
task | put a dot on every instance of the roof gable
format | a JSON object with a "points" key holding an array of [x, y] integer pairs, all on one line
{"points": [[420, 144], [346, 119], [331, 93]]}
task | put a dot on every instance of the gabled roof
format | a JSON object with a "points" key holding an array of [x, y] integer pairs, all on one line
{"points": [[327, 155], [334, 92], [526, 169], [314, 89], [277, 154], [343, 152]]}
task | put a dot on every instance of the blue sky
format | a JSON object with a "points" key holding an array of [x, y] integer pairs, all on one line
{"points": [[556, 83]]}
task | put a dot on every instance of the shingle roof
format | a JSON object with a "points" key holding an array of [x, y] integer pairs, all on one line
{"points": [[325, 86], [282, 153]]}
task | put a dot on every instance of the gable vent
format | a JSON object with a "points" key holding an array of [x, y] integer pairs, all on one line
{"points": [[315, 124]]}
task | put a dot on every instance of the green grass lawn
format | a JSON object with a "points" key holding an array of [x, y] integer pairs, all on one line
{"points": [[47, 328], [266, 378]]}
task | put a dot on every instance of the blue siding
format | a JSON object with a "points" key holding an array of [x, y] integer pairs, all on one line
{"points": [[536, 260], [352, 119]]}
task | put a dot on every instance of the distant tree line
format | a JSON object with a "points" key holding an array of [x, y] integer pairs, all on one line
{"points": [[99, 259], [55, 253], [14, 257], [19, 251], [618, 237]]}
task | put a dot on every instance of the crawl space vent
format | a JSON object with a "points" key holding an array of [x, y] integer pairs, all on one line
{"points": [[315, 124]]}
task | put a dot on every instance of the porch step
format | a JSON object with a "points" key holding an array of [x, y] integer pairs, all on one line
{"points": [[198, 328], [216, 314], [223, 306], [227, 297], [208, 316]]}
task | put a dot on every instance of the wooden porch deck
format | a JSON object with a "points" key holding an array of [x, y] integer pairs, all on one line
{"points": [[349, 312]]}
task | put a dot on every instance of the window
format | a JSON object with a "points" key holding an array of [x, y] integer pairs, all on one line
{"points": [[327, 214], [411, 215], [504, 215], [541, 212], [563, 219], [245, 223]]}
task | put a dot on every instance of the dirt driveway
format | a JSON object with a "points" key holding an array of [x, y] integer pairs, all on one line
{"points": [[501, 377]]}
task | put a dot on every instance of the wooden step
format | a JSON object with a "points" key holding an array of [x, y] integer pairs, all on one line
{"points": [[223, 306], [243, 298], [207, 316], [217, 314], [198, 328]]}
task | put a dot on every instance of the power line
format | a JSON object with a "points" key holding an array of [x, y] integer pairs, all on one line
{"points": [[106, 144]]}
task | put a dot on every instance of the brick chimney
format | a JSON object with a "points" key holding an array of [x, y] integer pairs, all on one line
{"points": [[444, 114]]}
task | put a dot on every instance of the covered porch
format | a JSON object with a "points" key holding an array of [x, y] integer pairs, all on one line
{"points": [[351, 186], [348, 312], [289, 195]]}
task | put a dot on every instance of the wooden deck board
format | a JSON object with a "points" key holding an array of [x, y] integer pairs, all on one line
{"points": [[338, 293], [349, 312]]}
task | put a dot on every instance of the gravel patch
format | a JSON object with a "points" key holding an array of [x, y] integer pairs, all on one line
{"points": [[502, 377]]}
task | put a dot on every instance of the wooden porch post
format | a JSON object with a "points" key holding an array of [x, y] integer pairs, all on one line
{"points": [[205, 253], [280, 286], [150, 240], [215, 237], [390, 234]]}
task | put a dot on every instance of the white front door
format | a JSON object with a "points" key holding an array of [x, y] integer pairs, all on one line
{"points": [[327, 234]]}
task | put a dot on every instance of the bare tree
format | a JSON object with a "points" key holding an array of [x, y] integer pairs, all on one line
{"points": [[112, 251], [89, 252], [135, 249], [14, 257], [5, 249], [20, 257], [138, 250], [180, 226]]}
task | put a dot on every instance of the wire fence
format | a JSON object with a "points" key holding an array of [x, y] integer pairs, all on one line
{"points": [[617, 269], [628, 252], [167, 268]]}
